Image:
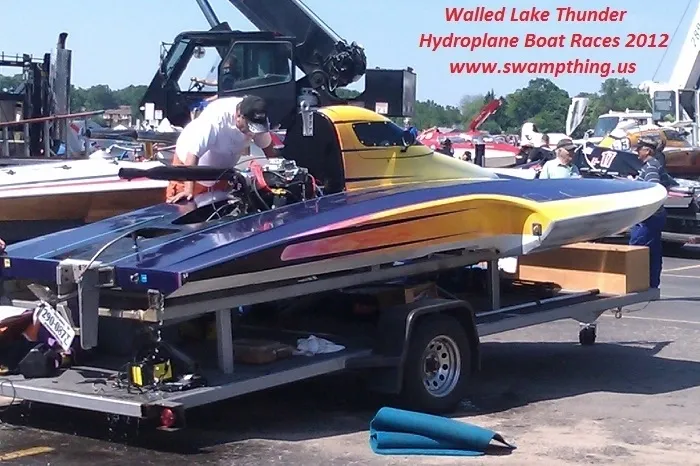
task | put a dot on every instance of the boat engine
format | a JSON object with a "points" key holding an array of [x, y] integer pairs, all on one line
{"points": [[279, 182], [257, 188]]}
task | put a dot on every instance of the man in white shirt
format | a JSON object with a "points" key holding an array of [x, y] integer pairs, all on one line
{"points": [[218, 138], [562, 166]]}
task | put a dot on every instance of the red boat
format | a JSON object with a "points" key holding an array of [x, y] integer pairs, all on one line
{"points": [[499, 151]]}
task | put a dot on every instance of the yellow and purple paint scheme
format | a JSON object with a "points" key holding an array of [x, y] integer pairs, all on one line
{"points": [[396, 203]]}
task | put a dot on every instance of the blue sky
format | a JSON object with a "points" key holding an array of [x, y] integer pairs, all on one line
{"points": [[113, 42]]}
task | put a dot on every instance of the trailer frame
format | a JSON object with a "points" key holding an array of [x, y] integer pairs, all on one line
{"points": [[85, 387]]}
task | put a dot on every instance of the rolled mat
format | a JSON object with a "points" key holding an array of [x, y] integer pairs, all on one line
{"points": [[398, 432]]}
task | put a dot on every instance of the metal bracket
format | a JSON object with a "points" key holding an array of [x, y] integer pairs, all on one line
{"points": [[307, 120], [224, 337], [494, 283], [156, 302], [83, 275]]}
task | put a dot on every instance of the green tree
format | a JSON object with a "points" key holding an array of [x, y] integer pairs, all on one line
{"points": [[542, 102], [10, 82]]}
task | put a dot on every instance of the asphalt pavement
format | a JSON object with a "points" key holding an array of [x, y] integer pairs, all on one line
{"points": [[631, 399]]}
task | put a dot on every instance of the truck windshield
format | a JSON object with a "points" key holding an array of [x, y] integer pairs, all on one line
{"points": [[174, 55], [604, 126]]}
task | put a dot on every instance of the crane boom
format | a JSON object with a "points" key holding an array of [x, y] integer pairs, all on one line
{"points": [[686, 71]]}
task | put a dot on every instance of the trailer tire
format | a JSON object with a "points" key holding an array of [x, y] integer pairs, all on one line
{"points": [[587, 336], [437, 365]]}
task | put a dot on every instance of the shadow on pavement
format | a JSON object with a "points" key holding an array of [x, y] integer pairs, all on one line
{"points": [[514, 375]]}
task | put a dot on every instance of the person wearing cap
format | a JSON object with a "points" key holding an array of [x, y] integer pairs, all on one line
{"points": [[562, 166], [648, 232], [218, 138], [543, 152]]}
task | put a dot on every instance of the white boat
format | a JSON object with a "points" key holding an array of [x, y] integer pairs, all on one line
{"points": [[43, 198]]}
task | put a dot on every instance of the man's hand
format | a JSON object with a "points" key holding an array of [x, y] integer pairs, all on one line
{"points": [[2, 246], [180, 196]]}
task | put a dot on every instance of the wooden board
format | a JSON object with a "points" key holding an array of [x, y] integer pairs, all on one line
{"points": [[610, 268]]}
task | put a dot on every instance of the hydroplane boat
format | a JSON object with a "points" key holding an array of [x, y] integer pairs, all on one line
{"points": [[359, 192]]}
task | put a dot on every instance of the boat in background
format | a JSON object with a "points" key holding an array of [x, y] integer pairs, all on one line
{"points": [[499, 153], [48, 197]]}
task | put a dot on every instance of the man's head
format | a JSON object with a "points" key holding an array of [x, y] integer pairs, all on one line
{"points": [[545, 139], [565, 150], [251, 115], [645, 148]]}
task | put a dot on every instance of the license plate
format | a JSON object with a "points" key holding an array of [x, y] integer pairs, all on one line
{"points": [[57, 325]]}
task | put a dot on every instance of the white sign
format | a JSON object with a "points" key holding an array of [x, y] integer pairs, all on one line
{"points": [[606, 158], [381, 107], [57, 325], [621, 144]]}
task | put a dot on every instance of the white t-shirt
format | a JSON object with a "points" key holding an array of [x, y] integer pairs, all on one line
{"points": [[214, 138]]}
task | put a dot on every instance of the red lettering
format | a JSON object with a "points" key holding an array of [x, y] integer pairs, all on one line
{"points": [[593, 42]]}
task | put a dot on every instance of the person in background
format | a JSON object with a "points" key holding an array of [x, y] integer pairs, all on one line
{"points": [[522, 157], [446, 148], [218, 138], [543, 152], [562, 166], [648, 232], [408, 125]]}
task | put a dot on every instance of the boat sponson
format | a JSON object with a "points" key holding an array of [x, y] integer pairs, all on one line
{"points": [[404, 220]]}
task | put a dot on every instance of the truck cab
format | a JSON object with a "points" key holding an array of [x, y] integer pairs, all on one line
{"points": [[294, 62]]}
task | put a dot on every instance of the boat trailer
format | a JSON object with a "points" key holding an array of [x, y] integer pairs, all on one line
{"points": [[405, 331]]}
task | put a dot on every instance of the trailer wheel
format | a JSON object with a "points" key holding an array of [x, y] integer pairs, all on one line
{"points": [[437, 365], [587, 335]]}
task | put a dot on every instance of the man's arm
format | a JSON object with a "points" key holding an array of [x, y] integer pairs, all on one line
{"points": [[544, 173], [190, 161], [264, 142]]}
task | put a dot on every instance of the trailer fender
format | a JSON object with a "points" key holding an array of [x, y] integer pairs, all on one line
{"points": [[394, 332]]}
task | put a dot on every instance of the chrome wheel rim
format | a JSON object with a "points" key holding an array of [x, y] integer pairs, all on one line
{"points": [[441, 366]]}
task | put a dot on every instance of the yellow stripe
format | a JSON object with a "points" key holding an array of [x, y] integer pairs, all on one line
{"points": [[13, 455], [563, 208]]}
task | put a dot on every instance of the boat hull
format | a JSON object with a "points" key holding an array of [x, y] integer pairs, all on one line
{"points": [[341, 232], [45, 198]]}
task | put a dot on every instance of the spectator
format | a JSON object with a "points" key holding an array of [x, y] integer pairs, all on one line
{"points": [[562, 166], [446, 148], [648, 232]]}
